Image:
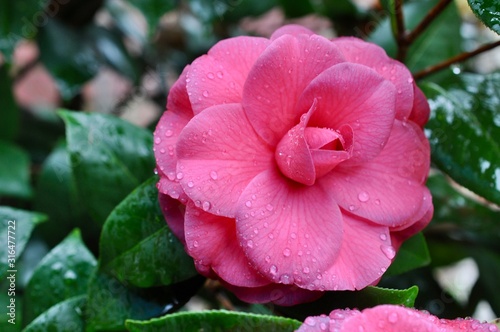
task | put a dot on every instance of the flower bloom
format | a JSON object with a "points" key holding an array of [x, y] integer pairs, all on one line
{"points": [[293, 165], [387, 318]]}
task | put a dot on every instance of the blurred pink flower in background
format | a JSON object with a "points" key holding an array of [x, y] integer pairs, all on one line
{"points": [[388, 318], [294, 165]]}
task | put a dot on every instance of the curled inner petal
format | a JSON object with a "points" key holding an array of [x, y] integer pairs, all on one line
{"points": [[307, 153]]}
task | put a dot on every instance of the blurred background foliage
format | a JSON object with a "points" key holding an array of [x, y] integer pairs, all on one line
{"points": [[97, 242]]}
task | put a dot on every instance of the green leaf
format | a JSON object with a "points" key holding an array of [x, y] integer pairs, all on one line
{"points": [[153, 10], [122, 14], [65, 316], [488, 263], [56, 195], [412, 254], [9, 126], [109, 157], [65, 271], [440, 41], [463, 131], [380, 295], [14, 171], [110, 302], [219, 320], [19, 20], [296, 8], [17, 224], [138, 248], [236, 10], [488, 12]]}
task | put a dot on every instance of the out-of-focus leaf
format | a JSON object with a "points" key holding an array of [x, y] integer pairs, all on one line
{"points": [[440, 41], [126, 18], [412, 254], [488, 11], [340, 9], [18, 224], [463, 131], [153, 10], [9, 126], [19, 20], [488, 263], [56, 196], [65, 271], [236, 10], [212, 321], [110, 302], [65, 316], [296, 8], [109, 157], [138, 248], [14, 171]]}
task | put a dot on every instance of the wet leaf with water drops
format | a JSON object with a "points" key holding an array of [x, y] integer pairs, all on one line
{"points": [[488, 11], [412, 254]]}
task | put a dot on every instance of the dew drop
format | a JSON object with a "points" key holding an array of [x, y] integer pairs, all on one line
{"points": [[363, 196], [388, 251], [310, 321], [273, 270], [169, 133], [205, 93], [156, 170], [323, 327], [171, 176], [319, 276], [220, 74], [206, 206], [306, 270], [195, 244], [266, 225], [383, 237], [248, 204], [250, 244], [293, 235], [179, 176], [269, 207], [286, 252], [268, 259], [211, 76], [410, 80], [285, 279], [351, 207], [271, 236], [190, 184], [393, 317], [377, 201], [214, 175], [157, 140]]}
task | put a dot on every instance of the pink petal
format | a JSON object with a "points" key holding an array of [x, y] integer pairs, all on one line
{"points": [[291, 29], [387, 190], [371, 55], [219, 154], [218, 77], [316, 324], [211, 241], [354, 95], [173, 211], [167, 131], [278, 78], [290, 233], [421, 109], [365, 255], [284, 295]]}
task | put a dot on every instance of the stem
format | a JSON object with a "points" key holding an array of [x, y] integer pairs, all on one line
{"points": [[400, 30], [459, 58], [434, 12]]}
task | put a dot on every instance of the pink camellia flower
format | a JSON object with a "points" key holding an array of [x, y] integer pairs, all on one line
{"points": [[293, 165], [387, 318]]}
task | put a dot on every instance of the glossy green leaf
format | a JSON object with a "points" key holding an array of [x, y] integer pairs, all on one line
{"points": [[412, 254], [65, 270], [488, 11], [14, 171], [440, 41], [65, 316], [153, 10], [109, 157], [209, 321], [110, 302], [125, 18], [9, 126], [18, 224], [56, 195], [19, 20], [136, 245], [463, 131]]}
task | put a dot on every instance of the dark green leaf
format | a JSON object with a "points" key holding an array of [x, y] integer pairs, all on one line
{"points": [[488, 263], [153, 10], [236, 10], [110, 302], [463, 131], [14, 171], [124, 17], [65, 271], [109, 157], [412, 254], [296, 8], [18, 224], [9, 126], [56, 196], [138, 248], [488, 11], [340, 9], [19, 20], [440, 41], [214, 321], [65, 316]]}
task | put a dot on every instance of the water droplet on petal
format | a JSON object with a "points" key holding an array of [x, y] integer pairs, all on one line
{"points": [[250, 244], [205, 93], [195, 244], [285, 279], [323, 327], [273, 270], [268, 259], [206, 206], [211, 76], [269, 207], [383, 237], [248, 204], [220, 74], [351, 207], [293, 235], [377, 201], [306, 270], [388, 251], [190, 184], [393, 317], [179, 176], [156, 170], [286, 252], [363, 196], [214, 175], [157, 140]]}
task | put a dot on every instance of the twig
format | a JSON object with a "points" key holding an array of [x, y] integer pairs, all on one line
{"points": [[459, 58], [434, 12], [400, 30]]}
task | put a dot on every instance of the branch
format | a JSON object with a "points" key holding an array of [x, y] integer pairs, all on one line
{"points": [[459, 58], [400, 30], [434, 12]]}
